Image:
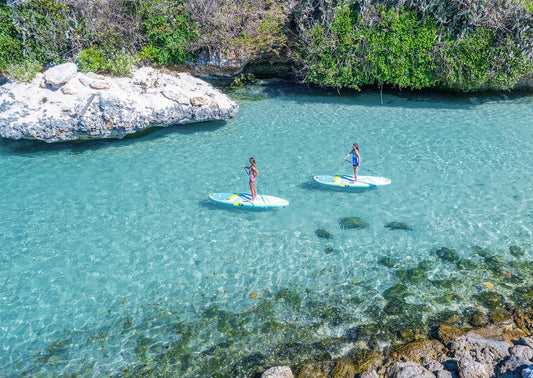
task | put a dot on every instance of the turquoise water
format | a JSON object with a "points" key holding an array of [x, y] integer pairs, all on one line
{"points": [[112, 255]]}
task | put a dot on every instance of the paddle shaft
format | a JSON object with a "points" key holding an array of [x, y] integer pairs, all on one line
{"points": [[366, 169]]}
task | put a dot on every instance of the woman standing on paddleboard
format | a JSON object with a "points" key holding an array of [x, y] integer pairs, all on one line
{"points": [[356, 159], [252, 172]]}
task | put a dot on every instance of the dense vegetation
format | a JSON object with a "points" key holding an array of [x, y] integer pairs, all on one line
{"points": [[338, 43]]}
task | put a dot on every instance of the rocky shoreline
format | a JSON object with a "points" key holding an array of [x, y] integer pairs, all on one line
{"points": [[496, 350], [66, 105]]}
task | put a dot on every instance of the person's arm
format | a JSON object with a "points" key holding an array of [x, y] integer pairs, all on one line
{"points": [[349, 153]]}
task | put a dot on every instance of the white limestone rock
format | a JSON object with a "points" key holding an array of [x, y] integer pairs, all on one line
{"points": [[59, 75], [91, 106]]}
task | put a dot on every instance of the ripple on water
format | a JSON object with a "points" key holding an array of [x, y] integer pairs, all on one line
{"points": [[114, 261]]}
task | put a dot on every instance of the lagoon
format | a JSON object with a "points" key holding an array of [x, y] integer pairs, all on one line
{"points": [[113, 260]]}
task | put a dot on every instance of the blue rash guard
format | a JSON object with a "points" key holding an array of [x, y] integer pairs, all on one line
{"points": [[355, 160]]}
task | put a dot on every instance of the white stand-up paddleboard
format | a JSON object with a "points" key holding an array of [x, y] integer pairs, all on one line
{"points": [[346, 181], [245, 200]]}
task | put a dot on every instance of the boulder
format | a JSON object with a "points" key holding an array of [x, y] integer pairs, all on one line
{"points": [[369, 374], [99, 107], [488, 352], [407, 370], [468, 368], [59, 75], [278, 372], [417, 351]]}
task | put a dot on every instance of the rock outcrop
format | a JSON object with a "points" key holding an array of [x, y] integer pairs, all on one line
{"points": [[63, 104]]}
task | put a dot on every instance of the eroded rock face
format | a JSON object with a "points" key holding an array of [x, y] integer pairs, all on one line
{"points": [[90, 106]]}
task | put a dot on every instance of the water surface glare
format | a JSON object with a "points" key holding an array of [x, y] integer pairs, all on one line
{"points": [[100, 241]]}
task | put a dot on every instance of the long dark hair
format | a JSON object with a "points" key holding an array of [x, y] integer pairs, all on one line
{"points": [[252, 160]]}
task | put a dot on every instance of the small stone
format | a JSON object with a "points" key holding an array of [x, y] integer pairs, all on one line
{"points": [[329, 250], [199, 101], [100, 84]]}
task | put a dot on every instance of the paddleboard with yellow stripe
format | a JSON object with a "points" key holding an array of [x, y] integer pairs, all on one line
{"points": [[346, 181], [244, 200]]}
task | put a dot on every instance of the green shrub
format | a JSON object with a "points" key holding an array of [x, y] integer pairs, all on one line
{"points": [[114, 63], [24, 71], [46, 29], [406, 47], [168, 32], [91, 60], [10, 47]]}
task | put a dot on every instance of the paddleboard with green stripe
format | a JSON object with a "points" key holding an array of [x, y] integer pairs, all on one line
{"points": [[244, 200]]}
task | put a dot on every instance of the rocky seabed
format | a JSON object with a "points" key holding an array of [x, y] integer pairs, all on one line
{"points": [[66, 105]]}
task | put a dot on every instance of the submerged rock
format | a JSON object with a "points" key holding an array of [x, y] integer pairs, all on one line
{"points": [[466, 264], [91, 106], [494, 264], [328, 250], [417, 351], [480, 251], [447, 254], [475, 317], [396, 291], [395, 225], [446, 284], [426, 265], [344, 367], [353, 223], [413, 275], [389, 262], [517, 251], [323, 234], [491, 299]]}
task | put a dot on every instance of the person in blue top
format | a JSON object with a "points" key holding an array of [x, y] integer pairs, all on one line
{"points": [[356, 160], [252, 172]]}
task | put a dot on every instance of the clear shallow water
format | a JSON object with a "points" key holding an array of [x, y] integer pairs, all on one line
{"points": [[109, 250]]}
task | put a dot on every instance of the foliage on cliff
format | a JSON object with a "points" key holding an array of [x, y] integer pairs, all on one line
{"points": [[416, 44], [337, 43]]}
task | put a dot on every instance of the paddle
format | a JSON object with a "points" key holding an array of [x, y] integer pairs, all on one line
{"points": [[366, 169]]}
